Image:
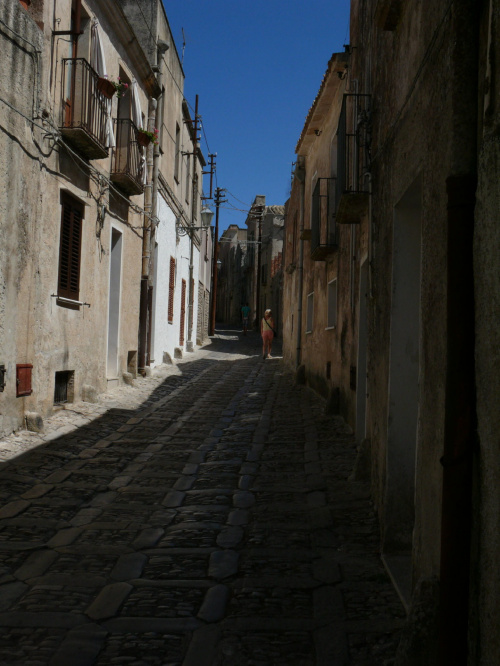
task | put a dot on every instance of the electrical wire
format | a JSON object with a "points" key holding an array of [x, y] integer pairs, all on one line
{"points": [[20, 36], [35, 57], [234, 197], [30, 120], [91, 170]]}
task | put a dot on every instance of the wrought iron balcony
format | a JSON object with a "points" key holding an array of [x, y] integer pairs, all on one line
{"points": [[126, 165], [83, 109], [324, 234], [353, 158]]}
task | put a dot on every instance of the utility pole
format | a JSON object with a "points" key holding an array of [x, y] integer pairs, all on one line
{"points": [[218, 201], [257, 212], [146, 289], [189, 342], [211, 164]]}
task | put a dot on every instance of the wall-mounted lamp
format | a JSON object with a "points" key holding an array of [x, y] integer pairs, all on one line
{"points": [[206, 218]]}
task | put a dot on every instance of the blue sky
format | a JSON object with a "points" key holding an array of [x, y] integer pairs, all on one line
{"points": [[256, 66]]}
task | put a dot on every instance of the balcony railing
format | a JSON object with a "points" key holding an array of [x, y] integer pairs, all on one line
{"points": [[84, 109], [127, 166], [324, 234], [353, 158]]}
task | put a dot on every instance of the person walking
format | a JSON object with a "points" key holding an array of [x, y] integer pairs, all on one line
{"points": [[267, 333], [245, 315]]}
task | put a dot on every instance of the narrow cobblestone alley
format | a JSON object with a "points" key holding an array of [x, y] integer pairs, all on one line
{"points": [[212, 524]]}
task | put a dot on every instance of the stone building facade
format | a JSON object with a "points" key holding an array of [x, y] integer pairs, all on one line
{"points": [[263, 260], [321, 284], [79, 199], [423, 289], [232, 281], [181, 260]]}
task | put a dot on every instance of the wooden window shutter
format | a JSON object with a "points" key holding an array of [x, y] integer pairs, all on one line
{"points": [[183, 312], [23, 379], [70, 249], [171, 290]]}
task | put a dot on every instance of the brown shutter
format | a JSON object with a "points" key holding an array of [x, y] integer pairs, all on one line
{"points": [[70, 249], [183, 312], [171, 289], [23, 379]]}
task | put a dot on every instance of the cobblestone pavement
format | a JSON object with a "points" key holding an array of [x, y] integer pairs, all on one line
{"points": [[202, 517]]}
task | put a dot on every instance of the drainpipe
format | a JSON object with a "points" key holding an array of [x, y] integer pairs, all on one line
{"points": [[189, 342], [157, 122], [146, 248], [300, 174]]}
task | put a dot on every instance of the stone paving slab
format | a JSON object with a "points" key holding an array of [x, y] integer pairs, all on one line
{"points": [[202, 516]]}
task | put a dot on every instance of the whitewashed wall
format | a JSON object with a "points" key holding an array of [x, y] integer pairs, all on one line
{"points": [[165, 335]]}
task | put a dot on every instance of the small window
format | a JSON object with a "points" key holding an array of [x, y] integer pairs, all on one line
{"points": [[332, 304], [310, 312], [23, 379], [70, 248], [64, 387]]}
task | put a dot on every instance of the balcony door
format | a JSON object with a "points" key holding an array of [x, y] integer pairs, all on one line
{"points": [[78, 46]]}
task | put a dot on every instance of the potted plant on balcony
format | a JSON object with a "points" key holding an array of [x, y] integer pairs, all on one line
{"points": [[144, 138], [108, 88], [120, 87]]}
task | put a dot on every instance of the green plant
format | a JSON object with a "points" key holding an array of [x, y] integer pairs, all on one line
{"points": [[152, 136], [120, 87]]}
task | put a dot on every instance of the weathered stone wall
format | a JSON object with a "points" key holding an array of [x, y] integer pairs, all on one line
{"points": [[328, 353], [36, 167], [21, 170], [486, 577], [423, 129]]}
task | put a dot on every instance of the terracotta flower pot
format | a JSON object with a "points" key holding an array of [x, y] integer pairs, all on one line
{"points": [[105, 87], [143, 139]]}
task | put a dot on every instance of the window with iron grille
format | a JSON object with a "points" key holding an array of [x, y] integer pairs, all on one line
{"points": [[171, 291], [323, 223], [70, 244], [353, 156], [64, 387]]}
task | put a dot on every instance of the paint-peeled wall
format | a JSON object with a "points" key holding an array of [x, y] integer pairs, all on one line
{"points": [[20, 202]]}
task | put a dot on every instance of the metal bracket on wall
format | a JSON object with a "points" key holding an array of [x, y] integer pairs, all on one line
{"points": [[2, 378]]}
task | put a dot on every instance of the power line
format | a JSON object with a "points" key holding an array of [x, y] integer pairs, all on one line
{"points": [[243, 202]]}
